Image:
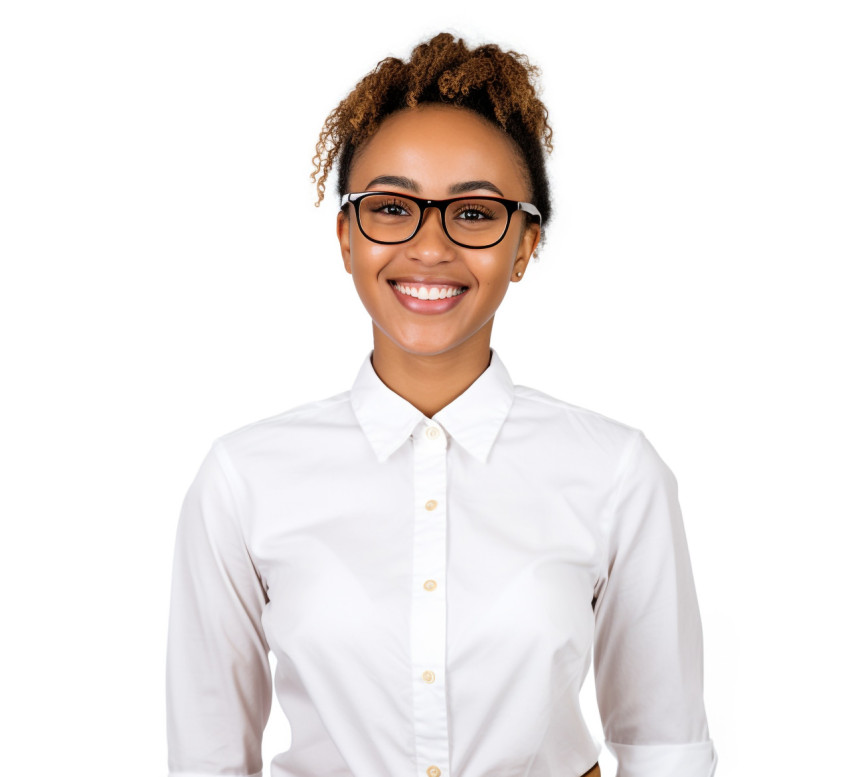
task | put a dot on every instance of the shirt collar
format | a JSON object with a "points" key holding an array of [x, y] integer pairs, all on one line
{"points": [[473, 419]]}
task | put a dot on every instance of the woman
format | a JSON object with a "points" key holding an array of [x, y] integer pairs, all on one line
{"points": [[434, 555]]}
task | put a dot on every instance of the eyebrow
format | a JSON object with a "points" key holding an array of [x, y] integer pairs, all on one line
{"points": [[471, 186], [411, 185], [395, 180]]}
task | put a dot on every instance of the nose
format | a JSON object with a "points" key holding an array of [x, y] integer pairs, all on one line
{"points": [[431, 244]]}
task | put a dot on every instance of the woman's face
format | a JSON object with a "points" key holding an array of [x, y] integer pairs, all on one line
{"points": [[436, 152]]}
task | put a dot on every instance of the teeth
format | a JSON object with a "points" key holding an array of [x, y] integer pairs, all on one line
{"points": [[429, 292]]}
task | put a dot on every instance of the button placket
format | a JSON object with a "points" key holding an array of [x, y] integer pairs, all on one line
{"points": [[428, 616]]}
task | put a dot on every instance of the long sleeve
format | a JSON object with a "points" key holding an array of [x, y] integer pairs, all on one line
{"points": [[648, 651], [218, 677]]}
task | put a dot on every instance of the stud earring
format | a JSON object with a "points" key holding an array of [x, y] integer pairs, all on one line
{"points": [[518, 273]]}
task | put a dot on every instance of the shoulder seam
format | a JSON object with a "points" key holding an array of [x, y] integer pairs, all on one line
{"points": [[606, 524], [535, 395], [291, 414], [229, 472]]}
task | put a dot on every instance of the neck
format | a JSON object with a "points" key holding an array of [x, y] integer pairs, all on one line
{"points": [[431, 381]]}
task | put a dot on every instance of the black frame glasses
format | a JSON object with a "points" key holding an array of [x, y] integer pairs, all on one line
{"points": [[512, 206]]}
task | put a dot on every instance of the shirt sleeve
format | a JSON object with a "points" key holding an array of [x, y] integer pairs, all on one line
{"points": [[218, 677], [648, 651]]}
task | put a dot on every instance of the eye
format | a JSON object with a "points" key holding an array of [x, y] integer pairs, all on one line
{"points": [[389, 207], [473, 211]]}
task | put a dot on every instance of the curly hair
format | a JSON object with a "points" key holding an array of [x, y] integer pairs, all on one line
{"points": [[498, 85]]}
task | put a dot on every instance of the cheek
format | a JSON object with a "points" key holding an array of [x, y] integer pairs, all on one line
{"points": [[365, 255], [495, 269], [368, 260]]}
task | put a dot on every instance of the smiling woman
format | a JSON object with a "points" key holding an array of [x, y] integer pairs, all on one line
{"points": [[439, 151], [435, 555]]}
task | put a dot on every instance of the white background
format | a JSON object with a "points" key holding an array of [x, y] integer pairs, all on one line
{"points": [[166, 279]]}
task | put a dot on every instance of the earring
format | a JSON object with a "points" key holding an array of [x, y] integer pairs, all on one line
{"points": [[518, 273]]}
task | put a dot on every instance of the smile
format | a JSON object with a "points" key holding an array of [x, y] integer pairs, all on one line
{"points": [[421, 291]]}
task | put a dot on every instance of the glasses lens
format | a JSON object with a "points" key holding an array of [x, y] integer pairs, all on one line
{"points": [[476, 222], [389, 218]]}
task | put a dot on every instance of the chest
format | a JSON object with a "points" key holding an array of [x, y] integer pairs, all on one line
{"points": [[509, 553]]}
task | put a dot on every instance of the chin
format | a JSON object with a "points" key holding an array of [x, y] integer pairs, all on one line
{"points": [[425, 350]]}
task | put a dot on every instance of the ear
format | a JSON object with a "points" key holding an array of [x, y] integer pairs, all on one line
{"points": [[527, 245], [343, 234]]}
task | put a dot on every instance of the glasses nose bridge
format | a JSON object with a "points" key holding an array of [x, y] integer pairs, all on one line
{"points": [[427, 205]]}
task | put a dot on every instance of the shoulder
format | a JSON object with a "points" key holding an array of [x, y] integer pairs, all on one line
{"points": [[292, 427], [566, 438], [548, 412], [597, 448]]}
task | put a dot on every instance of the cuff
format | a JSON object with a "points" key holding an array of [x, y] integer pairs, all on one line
{"points": [[693, 759]]}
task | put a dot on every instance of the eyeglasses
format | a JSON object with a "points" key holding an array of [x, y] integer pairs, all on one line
{"points": [[470, 222]]}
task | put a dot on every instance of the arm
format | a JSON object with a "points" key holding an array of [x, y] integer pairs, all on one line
{"points": [[648, 653], [218, 678]]}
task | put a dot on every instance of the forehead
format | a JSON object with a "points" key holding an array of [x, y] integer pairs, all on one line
{"points": [[437, 147]]}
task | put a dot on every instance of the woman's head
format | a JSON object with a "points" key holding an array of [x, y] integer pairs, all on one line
{"points": [[497, 85], [442, 161]]}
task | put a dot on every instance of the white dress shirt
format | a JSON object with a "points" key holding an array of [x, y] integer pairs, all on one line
{"points": [[433, 590]]}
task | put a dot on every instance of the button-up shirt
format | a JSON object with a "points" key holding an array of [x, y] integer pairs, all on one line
{"points": [[433, 590]]}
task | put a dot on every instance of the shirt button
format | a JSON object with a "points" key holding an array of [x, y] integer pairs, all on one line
{"points": [[433, 771], [428, 676], [431, 504], [430, 585], [432, 433]]}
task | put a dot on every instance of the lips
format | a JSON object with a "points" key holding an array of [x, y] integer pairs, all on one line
{"points": [[431, 290], [428, 298]]}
